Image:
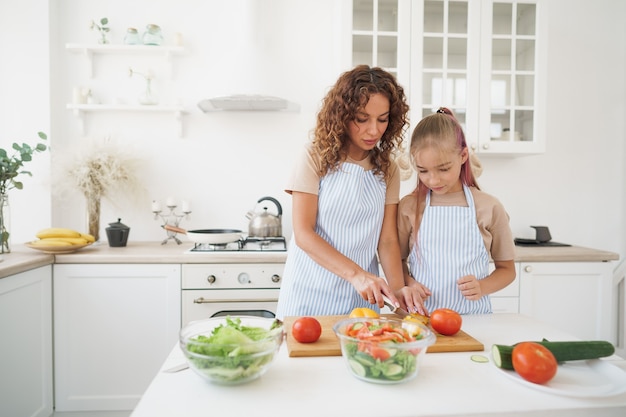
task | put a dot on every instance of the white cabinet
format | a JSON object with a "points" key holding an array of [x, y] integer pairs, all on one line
{"points": [[575, 297], [114, 326], [484, 59], [507, 299], [26, 347]]}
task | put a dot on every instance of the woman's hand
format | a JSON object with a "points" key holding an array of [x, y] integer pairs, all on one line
{"points": [[373, 289], [470, 287]]}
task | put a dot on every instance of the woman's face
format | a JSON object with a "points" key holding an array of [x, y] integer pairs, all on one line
{"points": [[368, 126], [440, 171]]}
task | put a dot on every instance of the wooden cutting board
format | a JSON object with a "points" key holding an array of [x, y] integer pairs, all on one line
{"points": [[328, 343]]}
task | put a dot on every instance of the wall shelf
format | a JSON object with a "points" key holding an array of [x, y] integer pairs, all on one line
{"points": [[89, 50], [80, 109]]}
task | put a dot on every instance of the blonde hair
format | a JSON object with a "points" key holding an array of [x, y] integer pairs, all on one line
{"points": [[443, 132]]}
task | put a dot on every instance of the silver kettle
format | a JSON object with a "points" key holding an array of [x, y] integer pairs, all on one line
{"points": [[265, 224]]}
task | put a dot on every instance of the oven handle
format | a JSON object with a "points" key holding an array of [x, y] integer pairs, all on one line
{"points": [[203, 300]]}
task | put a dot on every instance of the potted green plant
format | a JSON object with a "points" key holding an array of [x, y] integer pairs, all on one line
{"points": [[11, 167]]}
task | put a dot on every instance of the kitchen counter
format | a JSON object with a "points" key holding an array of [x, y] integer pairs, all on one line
{"points": [[23, 258], [448, 384]]}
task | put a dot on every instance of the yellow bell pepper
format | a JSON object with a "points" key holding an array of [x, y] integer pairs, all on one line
{"points": [[363, 312]]}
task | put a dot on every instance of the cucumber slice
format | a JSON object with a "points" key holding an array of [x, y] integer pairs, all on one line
{"points": [[393, 370], [364, 359], [480, 358], [357, 368]]}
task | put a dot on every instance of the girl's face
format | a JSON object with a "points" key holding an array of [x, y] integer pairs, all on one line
{"points": [[440, 171], [368, 126]]}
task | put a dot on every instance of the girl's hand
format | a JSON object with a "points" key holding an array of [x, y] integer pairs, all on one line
{"points": [[470, 287], [413, 296], [373, 289]]}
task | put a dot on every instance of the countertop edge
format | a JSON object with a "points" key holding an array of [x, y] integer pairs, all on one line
{"points": [[23, 258]]}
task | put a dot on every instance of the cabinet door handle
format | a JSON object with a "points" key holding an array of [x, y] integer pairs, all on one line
{"points": [[528, 268], [203, 300]]}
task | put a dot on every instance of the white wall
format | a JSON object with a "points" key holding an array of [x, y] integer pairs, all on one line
{"points": [[226, 161], [24, 107]]}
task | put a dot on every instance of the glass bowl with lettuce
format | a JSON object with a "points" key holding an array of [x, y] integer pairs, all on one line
{"points": [[383, 350], [231, 350]]}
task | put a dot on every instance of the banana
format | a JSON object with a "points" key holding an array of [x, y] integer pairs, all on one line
{"points": [[50, 242], [72, 240], [89, 238], [55, 232]]}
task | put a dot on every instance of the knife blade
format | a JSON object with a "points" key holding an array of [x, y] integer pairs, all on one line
{"points": [[397, 310]]}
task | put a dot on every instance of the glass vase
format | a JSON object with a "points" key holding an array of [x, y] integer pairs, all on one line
{"points": [[5, 223], [148, 97], [93, 214]]}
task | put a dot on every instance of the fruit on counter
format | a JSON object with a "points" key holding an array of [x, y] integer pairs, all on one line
{"points": [[89, 238], [306, 329], [55, 232], [363, 312], [446, 321], [534, 362], [563, 351], [417, 318], [59, 236], [51, 242]]}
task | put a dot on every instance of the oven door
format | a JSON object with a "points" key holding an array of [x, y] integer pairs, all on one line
{"points": [[202, 304]]}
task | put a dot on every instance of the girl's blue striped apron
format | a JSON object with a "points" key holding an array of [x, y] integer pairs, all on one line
{"points": [[351, 205], [450, 246]]}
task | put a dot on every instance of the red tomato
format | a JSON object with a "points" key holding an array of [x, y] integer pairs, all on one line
{"points": [[379, 353], [306, 330], [446, 321], [534, 362]]}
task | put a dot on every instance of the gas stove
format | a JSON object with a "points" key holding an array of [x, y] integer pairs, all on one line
{"points": [[249, 244]]}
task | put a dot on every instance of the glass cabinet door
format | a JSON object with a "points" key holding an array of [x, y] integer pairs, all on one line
{"points": [[376, 39], [444, 78], [512, 72], [485, 60]]}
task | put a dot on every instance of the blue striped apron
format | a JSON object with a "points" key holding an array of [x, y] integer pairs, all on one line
{"points": [[351, 205], [450, 246]]}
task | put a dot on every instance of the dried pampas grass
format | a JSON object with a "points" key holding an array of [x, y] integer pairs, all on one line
{"points": [[99, 168]]}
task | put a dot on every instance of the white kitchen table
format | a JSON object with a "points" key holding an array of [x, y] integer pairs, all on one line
{"points": [[448, 384]]}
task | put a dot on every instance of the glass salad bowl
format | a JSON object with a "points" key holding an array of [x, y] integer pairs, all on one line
{"points": [[383, 350], [231, 350]]}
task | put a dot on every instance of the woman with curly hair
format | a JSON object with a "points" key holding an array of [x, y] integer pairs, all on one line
{"points": [[345, 192]]}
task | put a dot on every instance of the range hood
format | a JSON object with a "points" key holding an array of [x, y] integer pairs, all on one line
{"points": [[247, 102]]}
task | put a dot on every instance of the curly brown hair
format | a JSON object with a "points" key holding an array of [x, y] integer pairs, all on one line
{"points": [[350, 94]]}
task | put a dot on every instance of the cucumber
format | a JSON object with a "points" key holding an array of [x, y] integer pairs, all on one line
{"points": [[394, 371], [562, 351], [357, 368], [364, 359]]}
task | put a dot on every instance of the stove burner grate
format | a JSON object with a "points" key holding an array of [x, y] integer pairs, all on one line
{"points": [[249, 244]]}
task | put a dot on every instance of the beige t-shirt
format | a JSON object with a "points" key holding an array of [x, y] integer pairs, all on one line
{"points": [[304, 177], [492, 218]]}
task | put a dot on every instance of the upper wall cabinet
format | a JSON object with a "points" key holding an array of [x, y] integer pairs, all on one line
{"points": [[484, 59], [379, 36]]}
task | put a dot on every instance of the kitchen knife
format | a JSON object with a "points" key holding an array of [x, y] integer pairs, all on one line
{"points": [[397, 310]]}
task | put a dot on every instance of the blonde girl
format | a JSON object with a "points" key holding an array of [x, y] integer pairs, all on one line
{"points": [[448, 228]]}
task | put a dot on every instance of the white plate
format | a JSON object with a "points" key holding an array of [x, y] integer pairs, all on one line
{"points": [[582, 379]]}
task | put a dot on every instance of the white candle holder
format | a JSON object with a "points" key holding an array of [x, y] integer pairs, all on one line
{"points": [[172, 219]]}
